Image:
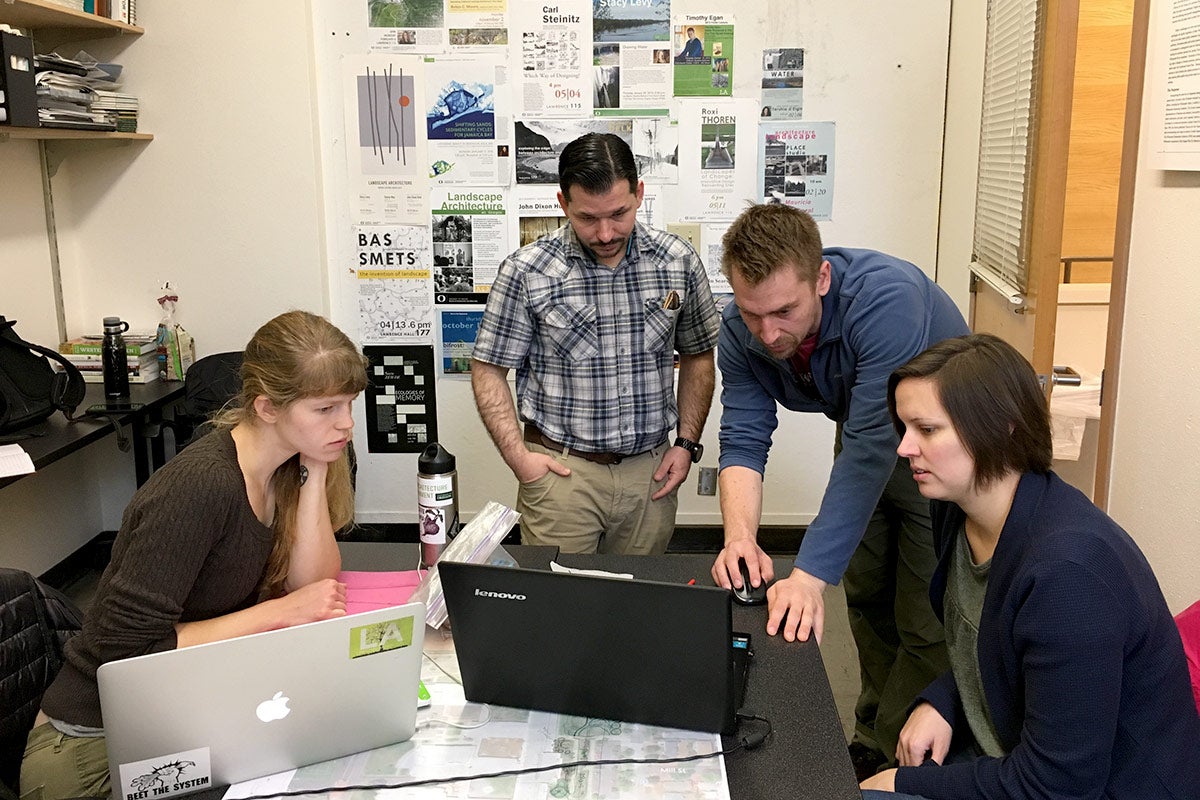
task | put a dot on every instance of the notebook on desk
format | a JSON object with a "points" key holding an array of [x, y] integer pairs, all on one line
{"points": [[631, 650], [188, 719]]}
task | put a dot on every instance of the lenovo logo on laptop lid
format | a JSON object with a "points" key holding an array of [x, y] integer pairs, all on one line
{"points": [[636, 651], [196, 717]]}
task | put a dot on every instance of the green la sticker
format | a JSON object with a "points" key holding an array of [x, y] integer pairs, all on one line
{"points": [[380, 637]]}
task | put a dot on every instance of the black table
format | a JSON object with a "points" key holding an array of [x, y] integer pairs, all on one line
{"points": [[806, 755], [62, 437]]}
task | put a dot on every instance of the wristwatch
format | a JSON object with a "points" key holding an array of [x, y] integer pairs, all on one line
{"points": [[695, 448]]}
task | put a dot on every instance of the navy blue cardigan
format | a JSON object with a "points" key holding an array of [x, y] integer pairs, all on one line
{"points": [[1081, 662]]}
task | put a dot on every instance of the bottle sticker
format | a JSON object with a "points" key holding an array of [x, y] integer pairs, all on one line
{"points": [[433, 524], [435, 501], [436, 490]]}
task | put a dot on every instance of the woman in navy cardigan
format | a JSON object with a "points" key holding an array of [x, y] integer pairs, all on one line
{"points": [[1068, 676]]}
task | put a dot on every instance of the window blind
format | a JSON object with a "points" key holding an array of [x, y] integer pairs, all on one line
{"points": [[1007, 134]]}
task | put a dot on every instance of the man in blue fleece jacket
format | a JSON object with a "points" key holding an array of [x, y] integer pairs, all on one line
{"points": [[820, 331]]}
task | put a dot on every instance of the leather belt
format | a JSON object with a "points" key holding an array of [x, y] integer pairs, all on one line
{"points": [[535, 436]]}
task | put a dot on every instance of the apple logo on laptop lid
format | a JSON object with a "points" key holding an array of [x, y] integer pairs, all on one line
{"points": [[273, 709]]}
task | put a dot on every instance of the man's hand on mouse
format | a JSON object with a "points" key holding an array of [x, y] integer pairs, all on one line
{"points": [[799, 597], [728, 575]]}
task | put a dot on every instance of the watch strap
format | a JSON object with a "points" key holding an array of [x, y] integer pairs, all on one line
{"points": [[695, 448]]}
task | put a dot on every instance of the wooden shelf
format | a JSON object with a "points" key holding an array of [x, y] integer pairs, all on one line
{"points": [[68, 133], [42, 14]]}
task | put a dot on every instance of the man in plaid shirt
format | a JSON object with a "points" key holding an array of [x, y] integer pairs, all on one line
{"points": [[590, 317]]}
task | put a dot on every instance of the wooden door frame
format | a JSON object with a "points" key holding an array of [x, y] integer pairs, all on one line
{"points": [[1130, 143], [1047, 193]]}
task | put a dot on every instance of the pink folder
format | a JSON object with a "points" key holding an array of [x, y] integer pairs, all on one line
{"points": [[367, 591]]}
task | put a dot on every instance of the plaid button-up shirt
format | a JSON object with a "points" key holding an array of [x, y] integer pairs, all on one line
{"points": [[594, 346]]}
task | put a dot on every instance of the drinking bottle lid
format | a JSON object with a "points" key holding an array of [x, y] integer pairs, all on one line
{"points": [[435, 459], [112, 322]]}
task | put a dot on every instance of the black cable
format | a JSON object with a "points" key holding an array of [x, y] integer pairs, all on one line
{"points": [[753, 740], [747, 742]]}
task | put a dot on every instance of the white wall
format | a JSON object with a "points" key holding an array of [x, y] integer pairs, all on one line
{"points": [[229, 203], [26, 293], [37, 528], [224, 203], [1155, 480], [960, 158], [878, 70]]}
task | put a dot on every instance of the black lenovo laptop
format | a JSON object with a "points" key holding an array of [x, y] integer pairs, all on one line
{"points": [[630, 650]]}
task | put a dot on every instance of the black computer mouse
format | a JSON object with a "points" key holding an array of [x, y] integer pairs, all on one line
{"points": [[749, 595]]}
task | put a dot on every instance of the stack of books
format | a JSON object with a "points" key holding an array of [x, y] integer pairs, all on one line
{"points": [[123, 106], [141, 354], [122, 10]]}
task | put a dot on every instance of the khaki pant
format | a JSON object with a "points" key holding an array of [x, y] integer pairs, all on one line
{"points": [[58, 766], [598, 508]]}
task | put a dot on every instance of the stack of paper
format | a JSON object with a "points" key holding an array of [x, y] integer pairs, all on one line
{"points": [[14, 461], [82, 93], [65, 100]]}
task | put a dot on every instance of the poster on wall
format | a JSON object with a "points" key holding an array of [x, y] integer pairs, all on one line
{"points": [[457, 337], [385, 139], [537, 213], [470, 239], [539, 143], [631, 57], [656, 149], [467, 122], [550, 53], [717, 158], [783, 83], [710, 250], [477, 26], [401, 399], [1175, 85], [392, 275], [796, 160], [410, 26], [652, 211], [703, 47]]}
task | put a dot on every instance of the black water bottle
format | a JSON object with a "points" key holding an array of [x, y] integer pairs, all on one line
{"points": [[115, 362]]}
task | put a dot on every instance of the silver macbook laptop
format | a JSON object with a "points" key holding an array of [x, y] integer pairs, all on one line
{"points": [[188, 719], [631, 650]]}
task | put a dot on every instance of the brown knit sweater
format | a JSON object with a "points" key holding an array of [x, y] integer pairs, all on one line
{"points": [[190, 548]]}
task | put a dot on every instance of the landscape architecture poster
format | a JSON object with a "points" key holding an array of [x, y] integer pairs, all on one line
{"points": [[406, 26], [467, 120], [703, 48], [797, 165], [631, 64], [385, 139], [554, 71]]}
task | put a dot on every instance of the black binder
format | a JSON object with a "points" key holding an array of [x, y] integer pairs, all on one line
{"points": [[18, 93]]}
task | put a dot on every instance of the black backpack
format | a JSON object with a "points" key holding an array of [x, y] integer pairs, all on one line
{"points": [[30, 388]]}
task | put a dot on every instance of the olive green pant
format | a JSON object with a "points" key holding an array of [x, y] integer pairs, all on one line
{"points": [[598, 507], [901, 644], [58, 766]]}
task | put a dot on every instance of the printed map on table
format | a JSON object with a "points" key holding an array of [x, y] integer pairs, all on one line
{"points": [[513, 739]]}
